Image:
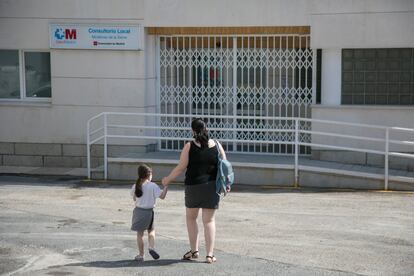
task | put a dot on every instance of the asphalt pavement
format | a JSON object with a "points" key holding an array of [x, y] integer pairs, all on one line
{"points": [[67, 226]]}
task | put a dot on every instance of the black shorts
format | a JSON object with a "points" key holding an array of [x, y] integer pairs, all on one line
{"points": [[202, 196]]}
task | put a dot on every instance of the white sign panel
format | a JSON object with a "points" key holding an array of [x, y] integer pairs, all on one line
{"points": [[86, 36]]}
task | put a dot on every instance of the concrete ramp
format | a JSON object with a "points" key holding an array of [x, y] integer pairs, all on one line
{"points": [[255, 169]]}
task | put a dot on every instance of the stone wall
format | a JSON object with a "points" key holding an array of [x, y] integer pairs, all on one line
{"points": [[60, 155]]}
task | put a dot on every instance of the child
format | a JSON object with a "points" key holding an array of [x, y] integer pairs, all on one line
{"points": [[145, 193]]}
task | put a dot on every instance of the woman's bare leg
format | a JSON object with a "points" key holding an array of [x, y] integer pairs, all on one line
{"points": [[209, 229], [192, 227]]}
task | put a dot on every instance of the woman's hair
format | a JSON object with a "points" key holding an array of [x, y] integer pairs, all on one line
{"points": [[144, 172], [200, 132]]}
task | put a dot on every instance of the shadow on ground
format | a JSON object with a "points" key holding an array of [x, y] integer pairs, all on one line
{"points": [[130, 263]]}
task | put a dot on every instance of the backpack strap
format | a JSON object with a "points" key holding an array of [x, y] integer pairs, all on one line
{"points": [[218, 149], [219, 168], [219, 157]]}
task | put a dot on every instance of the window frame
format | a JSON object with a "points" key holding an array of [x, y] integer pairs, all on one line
{"points": [[22, 78]]}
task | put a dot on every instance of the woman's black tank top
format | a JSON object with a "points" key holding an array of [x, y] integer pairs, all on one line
{"points": [[202, 165]]}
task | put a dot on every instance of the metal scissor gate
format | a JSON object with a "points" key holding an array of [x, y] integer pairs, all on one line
{"points": [[254, 75]]}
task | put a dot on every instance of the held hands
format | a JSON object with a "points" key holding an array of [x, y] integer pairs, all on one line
{"points": [[165, 181]]}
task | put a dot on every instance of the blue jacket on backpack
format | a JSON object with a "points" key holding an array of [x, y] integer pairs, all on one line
{"points": [[225, 174]]}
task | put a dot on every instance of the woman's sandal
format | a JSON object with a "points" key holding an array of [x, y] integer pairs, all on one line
{"points": [[190, 255], [210, 259]]}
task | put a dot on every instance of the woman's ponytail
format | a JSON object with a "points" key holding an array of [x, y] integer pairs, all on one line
{"points": [[200, 132]]}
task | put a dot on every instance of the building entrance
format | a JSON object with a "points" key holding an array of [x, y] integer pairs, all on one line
{"points": [[256, 75]]}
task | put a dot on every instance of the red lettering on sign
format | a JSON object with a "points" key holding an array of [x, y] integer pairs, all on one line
{"points": [[70, 34]]}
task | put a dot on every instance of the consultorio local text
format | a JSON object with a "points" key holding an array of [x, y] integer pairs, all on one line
{"points": [[109, 31]]}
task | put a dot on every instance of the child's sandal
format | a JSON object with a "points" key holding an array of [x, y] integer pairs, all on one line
{"points": [[210, 259], [154, 254], [139, 258], [190, 255]]}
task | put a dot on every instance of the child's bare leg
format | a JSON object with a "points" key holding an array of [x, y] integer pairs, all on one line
{"points": [[140, 243], [151, 238], [151, 241]]}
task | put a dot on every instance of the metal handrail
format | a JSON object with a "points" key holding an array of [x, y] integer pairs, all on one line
{"points": [[295, 129]]}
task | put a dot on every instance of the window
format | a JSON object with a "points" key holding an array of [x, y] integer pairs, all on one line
{"points": [[9, 74], [378, 76], [25, 75], [37, 74]]}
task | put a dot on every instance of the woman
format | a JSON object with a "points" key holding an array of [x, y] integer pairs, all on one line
{"points": [[199, 158]]}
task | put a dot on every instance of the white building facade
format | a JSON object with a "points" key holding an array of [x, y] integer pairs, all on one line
{"points": [[343, 60]]}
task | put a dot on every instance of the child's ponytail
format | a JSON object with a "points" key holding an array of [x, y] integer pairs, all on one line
{"points": [[144, 173]]}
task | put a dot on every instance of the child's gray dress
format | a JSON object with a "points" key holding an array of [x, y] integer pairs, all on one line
{"points": [[142, 219]]}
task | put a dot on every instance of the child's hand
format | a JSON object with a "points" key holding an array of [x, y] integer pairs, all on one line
{"points": [[228, 188]]}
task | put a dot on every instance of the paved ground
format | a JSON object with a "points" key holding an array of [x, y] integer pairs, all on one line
{"points": [[52, 226]]}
